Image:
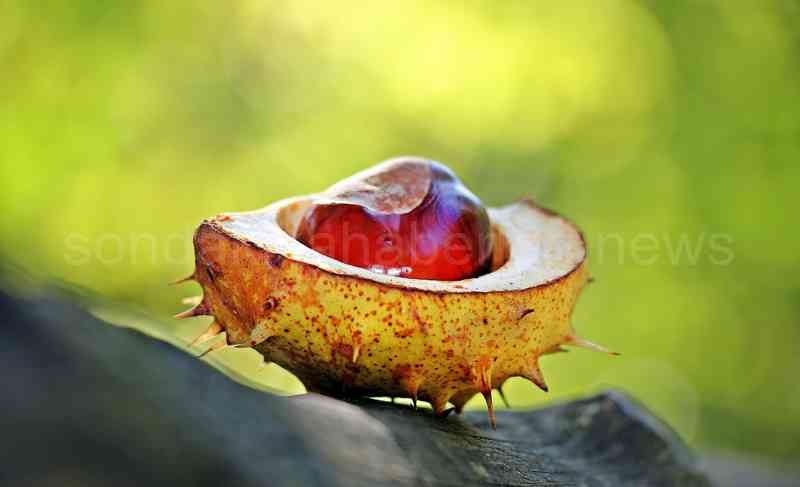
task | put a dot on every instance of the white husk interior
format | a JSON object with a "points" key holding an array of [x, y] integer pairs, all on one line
{"points": [[543, 246]]}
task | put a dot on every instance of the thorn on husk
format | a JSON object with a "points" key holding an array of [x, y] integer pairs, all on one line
{"points": [[447, 412], [534, 374], [581, 343], [213, 330], [199, 310], [214, 347], [483, 382], [487, 396], [503, 396], [188, 278]]}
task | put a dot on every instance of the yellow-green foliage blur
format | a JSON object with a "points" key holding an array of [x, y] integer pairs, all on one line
{"points": [[670, 131]]}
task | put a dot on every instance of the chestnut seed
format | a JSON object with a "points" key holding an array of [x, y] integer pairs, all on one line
{"points": [[446, 237]]}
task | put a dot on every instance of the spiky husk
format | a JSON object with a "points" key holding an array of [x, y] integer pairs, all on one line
{"points": [[348, 335]]}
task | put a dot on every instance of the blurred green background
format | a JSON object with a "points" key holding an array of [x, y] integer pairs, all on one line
{"points": [[670, 131]]}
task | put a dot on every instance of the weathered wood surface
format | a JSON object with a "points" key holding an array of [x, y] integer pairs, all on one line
{"points": [[86, 403]]}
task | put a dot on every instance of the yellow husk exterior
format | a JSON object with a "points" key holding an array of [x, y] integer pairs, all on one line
{"points": [[348, 335]]}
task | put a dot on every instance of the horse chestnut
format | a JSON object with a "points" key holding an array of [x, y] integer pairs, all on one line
{"points": [[345, 330]]}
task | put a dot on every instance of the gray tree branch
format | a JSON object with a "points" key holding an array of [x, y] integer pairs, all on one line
{"points": [[87, 403]]}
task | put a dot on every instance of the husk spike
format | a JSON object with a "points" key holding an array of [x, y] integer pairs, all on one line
{"points": [[576, 341], [188, 278], [534, 374], [199, 310], [503, 396], [439, 402], [487, 396], [483, 382], [213, 330], [215, 347], [460, 399]]}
